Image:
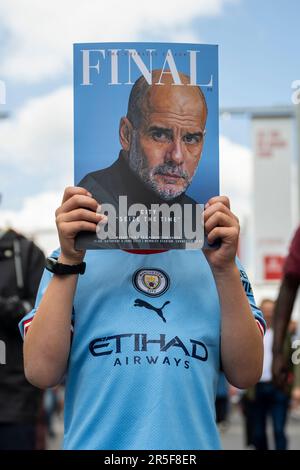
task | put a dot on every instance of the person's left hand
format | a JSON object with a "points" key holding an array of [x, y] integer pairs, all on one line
{"points": [[220, 223]]}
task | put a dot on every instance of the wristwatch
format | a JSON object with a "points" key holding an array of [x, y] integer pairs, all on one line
{"points": [[55, 267]]}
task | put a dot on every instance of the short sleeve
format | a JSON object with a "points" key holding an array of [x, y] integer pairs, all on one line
{"points": [[292, 262], [46, 278], [249, 292]]}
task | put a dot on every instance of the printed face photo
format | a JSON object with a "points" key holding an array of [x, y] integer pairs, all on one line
{"points": [[165, 140], [155, 106], [146, 141]]}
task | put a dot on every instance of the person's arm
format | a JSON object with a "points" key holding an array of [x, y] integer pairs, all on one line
{"points": [[241, 339], [282, 316], [47, 341]]}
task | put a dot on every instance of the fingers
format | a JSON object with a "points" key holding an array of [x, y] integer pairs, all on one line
{"points": [[217, 206], [72, 190], [70, 229], [219, 219], [218, 214], [79, 214], [224, 233], [220, 224], [223, 199], [77, 201]]}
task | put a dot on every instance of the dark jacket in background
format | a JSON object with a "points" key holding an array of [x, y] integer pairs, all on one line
{"points": [[21, 267]]}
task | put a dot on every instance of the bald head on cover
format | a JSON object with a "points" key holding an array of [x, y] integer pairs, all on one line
{"points": [[162, 134]]}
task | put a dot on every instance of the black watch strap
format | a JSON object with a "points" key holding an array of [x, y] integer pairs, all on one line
{"points": [[55, 267]]}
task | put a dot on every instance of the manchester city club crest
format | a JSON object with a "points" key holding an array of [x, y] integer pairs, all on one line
{"points": [[151, 281]]}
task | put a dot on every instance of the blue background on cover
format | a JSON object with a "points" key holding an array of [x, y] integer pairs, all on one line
{"points": [[99, 107]]}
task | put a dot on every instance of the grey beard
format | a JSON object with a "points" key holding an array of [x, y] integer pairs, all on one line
{"points": [[139, 165]]}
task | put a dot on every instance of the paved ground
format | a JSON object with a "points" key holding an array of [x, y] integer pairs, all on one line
{"points": [[232, 436]]}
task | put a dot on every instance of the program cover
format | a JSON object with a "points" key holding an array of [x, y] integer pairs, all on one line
{"points": [[146, 141]]}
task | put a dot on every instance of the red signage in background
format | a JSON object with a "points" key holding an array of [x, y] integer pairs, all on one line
{"points": [[273, 265], [269, 140]]}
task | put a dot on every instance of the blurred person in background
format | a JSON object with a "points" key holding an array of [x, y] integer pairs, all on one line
{"points": [[222, 402], [21, 267], [296, 388], [248, 411], [53, 405], [295, 334], [283, 310], [293, 329], [268, 399]]}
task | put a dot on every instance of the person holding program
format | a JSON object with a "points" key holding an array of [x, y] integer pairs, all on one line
{"points": [[151, 330], [161, 138]]}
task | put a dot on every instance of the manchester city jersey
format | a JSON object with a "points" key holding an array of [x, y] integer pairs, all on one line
{"points": [[145, 353]]}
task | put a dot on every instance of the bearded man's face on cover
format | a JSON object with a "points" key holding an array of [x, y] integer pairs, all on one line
{"points": [[165, 147]]}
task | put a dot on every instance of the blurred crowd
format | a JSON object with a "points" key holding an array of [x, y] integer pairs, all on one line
{"points": [[278, 391], [27, 413], [267, 403]]}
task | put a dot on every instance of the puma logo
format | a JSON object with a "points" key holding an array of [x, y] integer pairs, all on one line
{"points": [[159, 311]]}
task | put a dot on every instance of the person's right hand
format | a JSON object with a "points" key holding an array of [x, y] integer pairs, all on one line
{"points": [[77, 213]]}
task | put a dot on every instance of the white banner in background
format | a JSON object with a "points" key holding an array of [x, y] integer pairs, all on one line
{"points": [[273, 225]]}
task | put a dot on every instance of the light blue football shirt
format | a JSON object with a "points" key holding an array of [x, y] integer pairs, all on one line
{"points": [[145, 354]]}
